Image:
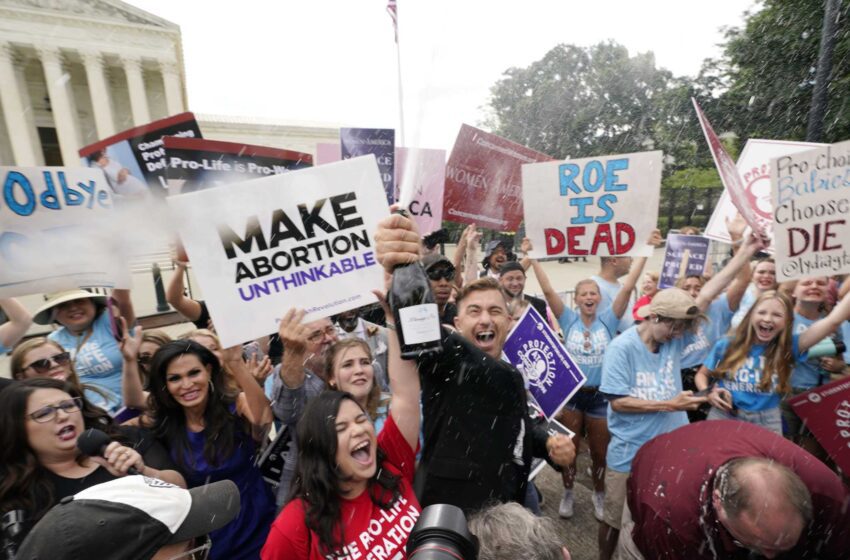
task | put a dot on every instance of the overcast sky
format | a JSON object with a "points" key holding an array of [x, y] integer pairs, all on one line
{"points": [[334, 61]]}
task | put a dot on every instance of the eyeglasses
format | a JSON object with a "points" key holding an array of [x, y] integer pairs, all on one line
{"points": [[329, 332], [436, 274], [198, 553], [44, 365], [48, 413]]}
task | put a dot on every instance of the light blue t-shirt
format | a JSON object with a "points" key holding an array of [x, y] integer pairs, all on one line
{"points": [[806, 374], [708, 332], [749, 298], [630, 369], [744, 382], [586, 345], [98, 361], [608, 291]]}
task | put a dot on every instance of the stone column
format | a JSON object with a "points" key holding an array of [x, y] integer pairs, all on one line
{"points": [[99, 90], [173, 91], [136, 85], [61, 104], [22, 138]]}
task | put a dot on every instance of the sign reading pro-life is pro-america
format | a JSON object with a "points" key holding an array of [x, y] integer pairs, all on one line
{"points": [[300, 239]]}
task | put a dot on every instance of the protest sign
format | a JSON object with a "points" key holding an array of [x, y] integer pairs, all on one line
{"points": [[826, 413], [552, 376], [483, 180], [134, 160], [685, 255], [553, 427], [811, 204], [300, 239], [421, 178], [603, 206], [57, 231], [380, 142], [327, 152], [754, 168], [729, 175], [194, 164]]}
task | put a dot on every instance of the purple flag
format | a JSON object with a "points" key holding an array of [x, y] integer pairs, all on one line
{"points": [[551, 375]]}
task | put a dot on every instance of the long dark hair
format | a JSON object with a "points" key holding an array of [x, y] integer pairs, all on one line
{"points": [[317, 480], [24, 482], [169, 419]]}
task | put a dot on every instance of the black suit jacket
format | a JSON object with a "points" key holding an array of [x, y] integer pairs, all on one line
{"points": [[474, 408]]}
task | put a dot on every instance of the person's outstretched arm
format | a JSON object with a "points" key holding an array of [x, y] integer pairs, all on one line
{"points": [[621, 302], [19, 321], [252, 402], [826, 326], [556, 304], [713, 287], [175, 296], [132, 392]]}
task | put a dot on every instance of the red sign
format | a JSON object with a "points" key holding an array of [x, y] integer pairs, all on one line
{"points": [[728, 173], [484, 182], [826, 412]]}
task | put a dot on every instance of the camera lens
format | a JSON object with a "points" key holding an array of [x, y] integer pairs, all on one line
{"points": [[441, 533]]}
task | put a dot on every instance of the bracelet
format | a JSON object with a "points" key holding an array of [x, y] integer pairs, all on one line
{"points": [[389, 325]]}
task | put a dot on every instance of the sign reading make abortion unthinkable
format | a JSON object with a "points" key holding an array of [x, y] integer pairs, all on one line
{"points": [[483, 180], [604, 206], [552, 376], [684, 255], [134, 160], [356, 142], [57, 231], [811, 212], [300, 239]]}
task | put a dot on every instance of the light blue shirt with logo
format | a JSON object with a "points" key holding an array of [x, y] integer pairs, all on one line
{"points": [[586, 345], [708, 332], [630, 369]]}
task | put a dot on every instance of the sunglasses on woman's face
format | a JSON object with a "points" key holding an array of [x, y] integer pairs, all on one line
{"points": [[44, 365]]}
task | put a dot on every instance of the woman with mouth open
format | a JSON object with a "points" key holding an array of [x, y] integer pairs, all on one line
{"points": [[587, 333], [353, 491], [211, 432], [40, 421], [754, 364]]}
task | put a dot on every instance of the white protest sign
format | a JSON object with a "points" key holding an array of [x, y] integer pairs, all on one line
{"points": [[420, 180], [301, 239], [754, 168], [811, 201], [57, 231], [604, 206]]}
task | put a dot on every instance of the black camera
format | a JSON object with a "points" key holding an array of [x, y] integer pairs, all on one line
{"points": [[441, 533]]}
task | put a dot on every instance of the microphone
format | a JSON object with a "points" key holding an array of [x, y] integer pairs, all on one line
{"points": [[93, 443]]}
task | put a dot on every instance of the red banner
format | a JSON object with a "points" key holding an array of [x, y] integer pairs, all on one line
{"points": [[826, 412], [483, 180]]}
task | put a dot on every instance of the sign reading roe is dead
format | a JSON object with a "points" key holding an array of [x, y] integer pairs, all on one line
{"points": [[603, 206], [811, 201]]}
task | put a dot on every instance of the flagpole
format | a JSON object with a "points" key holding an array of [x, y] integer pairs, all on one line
{"points": [[394, 15]]}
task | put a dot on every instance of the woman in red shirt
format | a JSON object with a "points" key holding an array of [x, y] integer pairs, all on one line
{"points": [[352, 494]]}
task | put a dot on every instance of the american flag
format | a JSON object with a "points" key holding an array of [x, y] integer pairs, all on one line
{"points": [[392, 9]]}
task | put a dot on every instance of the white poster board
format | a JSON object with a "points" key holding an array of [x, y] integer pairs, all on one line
{"points": [[754, 167], [604, 206], [811, 216], [301, 239], [57, 231]]}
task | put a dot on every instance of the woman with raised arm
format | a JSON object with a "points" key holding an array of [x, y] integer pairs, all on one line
{"points": [[587, 333], [18, 320]]}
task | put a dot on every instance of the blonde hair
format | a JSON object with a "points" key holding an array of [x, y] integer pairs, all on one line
{"points": [[17, 365], [373, 401], [778, 355], [202, 332]]}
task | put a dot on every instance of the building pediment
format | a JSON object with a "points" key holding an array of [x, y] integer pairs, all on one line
{"points": [[109, 10]]}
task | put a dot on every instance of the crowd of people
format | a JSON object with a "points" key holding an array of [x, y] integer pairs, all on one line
{"points": [[694, 450]]}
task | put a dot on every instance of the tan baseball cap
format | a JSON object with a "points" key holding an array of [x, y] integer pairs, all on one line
{"points": [[673, 303]]}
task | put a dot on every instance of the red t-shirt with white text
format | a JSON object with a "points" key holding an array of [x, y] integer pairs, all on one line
{"points": [[370, 533]]}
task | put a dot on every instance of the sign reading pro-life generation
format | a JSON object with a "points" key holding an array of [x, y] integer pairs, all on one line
{"points": [[300, 239], [811, 212], [604, 206]]}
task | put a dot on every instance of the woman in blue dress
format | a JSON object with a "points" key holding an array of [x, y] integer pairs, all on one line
{"points": [[211, 432]]}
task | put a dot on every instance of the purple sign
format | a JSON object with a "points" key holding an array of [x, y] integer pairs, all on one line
{"points": [[551, 375], [686, 255], [357, 142]]}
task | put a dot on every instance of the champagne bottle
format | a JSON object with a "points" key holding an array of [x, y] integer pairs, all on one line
{"points": [[417, 317]]}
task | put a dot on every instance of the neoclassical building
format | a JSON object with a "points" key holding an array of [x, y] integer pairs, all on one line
{"points": [[76, 71]]}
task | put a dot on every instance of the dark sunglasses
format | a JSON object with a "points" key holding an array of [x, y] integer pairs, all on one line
{"points": [[44, 365], [48, 413], [436, 274]]}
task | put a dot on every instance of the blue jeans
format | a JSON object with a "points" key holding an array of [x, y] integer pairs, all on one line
{"points": [[770, 418]]}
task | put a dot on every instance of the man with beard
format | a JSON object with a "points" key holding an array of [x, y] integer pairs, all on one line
{"points": [[441, 275], [512, 279], [478, 437]]}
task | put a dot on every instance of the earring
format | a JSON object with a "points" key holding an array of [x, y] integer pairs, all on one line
{"points": [[212, 387]]}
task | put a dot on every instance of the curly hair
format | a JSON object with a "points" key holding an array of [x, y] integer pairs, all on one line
{"points": [[24, 481], [318, 482]]}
